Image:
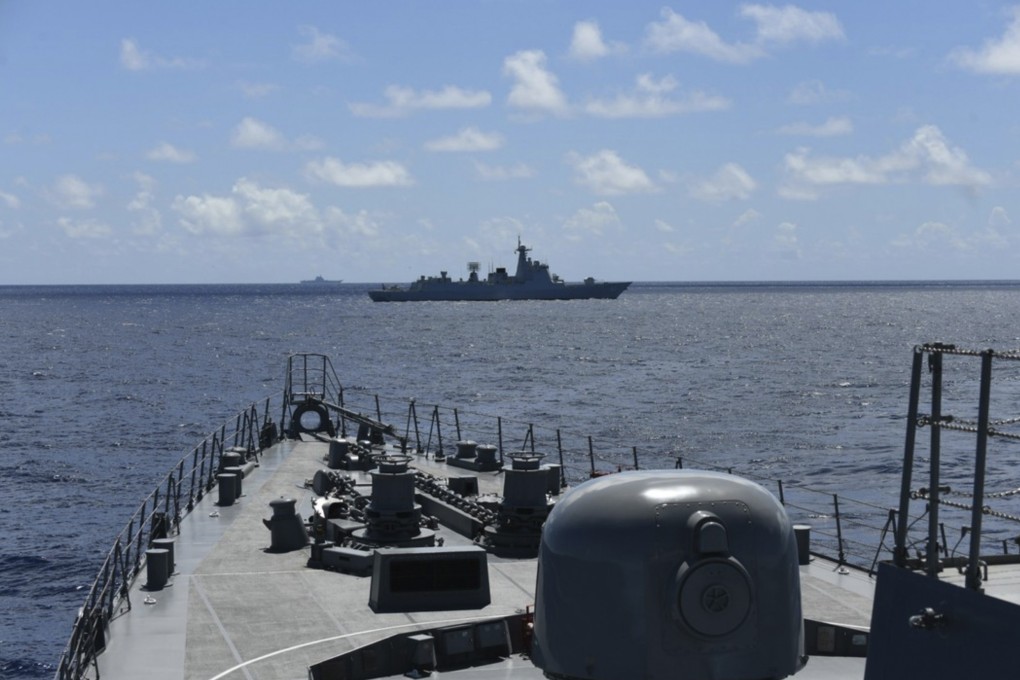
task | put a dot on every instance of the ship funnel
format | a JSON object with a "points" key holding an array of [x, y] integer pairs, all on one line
{"points": [[668, 574]]}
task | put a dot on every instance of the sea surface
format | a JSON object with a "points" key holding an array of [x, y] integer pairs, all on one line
{"points": [[104, 388]]}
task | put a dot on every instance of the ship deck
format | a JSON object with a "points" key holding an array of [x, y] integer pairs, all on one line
{"points": [[234, 610]]}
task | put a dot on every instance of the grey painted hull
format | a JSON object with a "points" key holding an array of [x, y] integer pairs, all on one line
{"points": [[487, 292]]}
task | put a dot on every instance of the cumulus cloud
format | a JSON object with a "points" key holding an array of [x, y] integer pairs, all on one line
{"points": [[605, 173], [134, 58], [318, 47], [785, 241], [10, 200], [594, 220], [169, 153], [535, 88], [84, 229], [730, 182], [832, 127], [812, 92], [789, 24], [358, 175], [675, 33], [361, 224], [468, 139], [650, 100], [997, 56], [251, 133], [254, 134], [250, 209], [402, 101], [147, 220], [71, 191], [999, 217], [775, 27], [503, 172], [587, 43], [927, 157]]}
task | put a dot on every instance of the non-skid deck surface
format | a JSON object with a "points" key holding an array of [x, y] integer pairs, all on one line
{"points": [[236, 611]]}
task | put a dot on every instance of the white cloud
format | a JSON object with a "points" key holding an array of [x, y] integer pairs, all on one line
{"points": [[811, 92], [664, 226], [79, 229], [677, 34], [133, 58], [535, 88], [250, 209], [749, 216], [999, 217], [1001, 56], [605, 173], [468, 139], [276, 208], [361, 225], [402, 101], [171, 154], [832, 127], [649, 100], [147, 219], [594, 220], [319, 47], [785, 241], [361, 175], [789, 24], [10, 200], [730, 182], [254, 134], [775, 27], [220, 215], [501, 172], [926, 158], [72, 191], [587, 43], [251, 133]]}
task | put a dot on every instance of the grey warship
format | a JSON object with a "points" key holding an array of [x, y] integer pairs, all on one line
{"points": [[390, 553], [531, 281]]}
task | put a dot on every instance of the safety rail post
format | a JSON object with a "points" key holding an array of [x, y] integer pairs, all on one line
{"points": [[591, 455], [563, 467], [900, 536], [782, 497], [499, 429], [839, 528], [932, 557], [973, 580], [194, 471], [439, 431], [635, 457], [456, 422]]}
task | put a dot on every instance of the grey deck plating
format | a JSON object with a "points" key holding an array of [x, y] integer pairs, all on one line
{"points": [[233, 610]]}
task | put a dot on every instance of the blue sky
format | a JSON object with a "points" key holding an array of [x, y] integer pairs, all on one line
{"points": [[231, 141]]}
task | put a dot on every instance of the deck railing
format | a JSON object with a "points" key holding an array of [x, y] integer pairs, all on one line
{"points": [[850, 532], [159, 516]]}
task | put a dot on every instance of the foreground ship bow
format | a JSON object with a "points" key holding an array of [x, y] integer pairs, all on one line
{"points": [[391, 554], [532, 281]]}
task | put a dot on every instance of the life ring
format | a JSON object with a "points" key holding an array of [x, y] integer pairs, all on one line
{"points": [[300, 421]]}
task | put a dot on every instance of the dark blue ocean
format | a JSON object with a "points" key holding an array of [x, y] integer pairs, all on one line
{"points": [[103, 388]]}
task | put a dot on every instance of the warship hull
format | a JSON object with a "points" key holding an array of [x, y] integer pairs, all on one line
{"points": [[485, 292]]}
